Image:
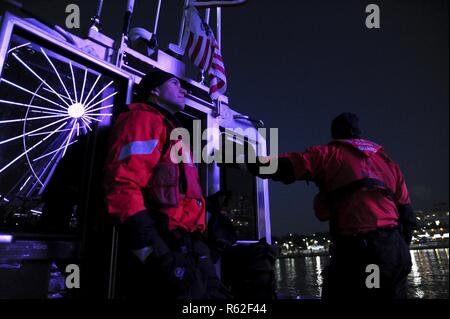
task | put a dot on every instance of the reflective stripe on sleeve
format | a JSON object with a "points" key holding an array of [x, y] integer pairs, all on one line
{"points": [[138, 148]]}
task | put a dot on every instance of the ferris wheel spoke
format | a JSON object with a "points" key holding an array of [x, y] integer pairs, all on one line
{"points": [[41, 79], [98, 114], [52, 161], [70, 136], [36, 130], [92, 88], [74, 82], [33, 107], [31, 118], [109, 96], [99, 92], [99, 108], [34, 94], [86, 123], [29, 150], [43, 133], [57, 74], [52, 152], [46, 112], [84, 83], [23, 185], [92, 118]]}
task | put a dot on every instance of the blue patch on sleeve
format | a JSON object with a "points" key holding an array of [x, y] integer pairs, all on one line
{"points": [[138, 148]]}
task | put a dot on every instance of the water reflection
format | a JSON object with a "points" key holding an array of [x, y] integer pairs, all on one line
{"points": [[302, 276], [415, 277], [429, 279]]}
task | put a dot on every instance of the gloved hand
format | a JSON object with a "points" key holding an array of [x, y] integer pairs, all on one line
{"points": [[141, 236], [407, 222], [407, 233]]}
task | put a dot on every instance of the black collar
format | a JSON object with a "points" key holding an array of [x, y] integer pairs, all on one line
{"points": [[171, 117]]}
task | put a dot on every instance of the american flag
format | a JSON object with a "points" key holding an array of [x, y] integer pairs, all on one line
{"points": [[203, 50]]}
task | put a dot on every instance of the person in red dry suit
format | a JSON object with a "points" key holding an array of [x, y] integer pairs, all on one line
{"points": [[364, 197], [157, 201]]}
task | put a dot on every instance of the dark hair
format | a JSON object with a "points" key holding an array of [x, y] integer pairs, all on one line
{"points": [[345, 125]]}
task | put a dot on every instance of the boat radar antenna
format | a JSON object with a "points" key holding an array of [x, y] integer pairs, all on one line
{"points": [[124, 35], [96, 24]]}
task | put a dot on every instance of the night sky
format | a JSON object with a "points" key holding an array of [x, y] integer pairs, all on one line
{"points": [[297, 64]]}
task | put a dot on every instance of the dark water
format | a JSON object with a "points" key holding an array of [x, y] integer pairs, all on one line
{"points": [[428, 278]]}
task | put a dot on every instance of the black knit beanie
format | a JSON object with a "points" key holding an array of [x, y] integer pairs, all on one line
{"points": [[150, 81], [345, 125]]}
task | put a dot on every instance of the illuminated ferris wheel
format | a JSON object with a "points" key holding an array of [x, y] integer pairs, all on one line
{"points": [[47, 102]]}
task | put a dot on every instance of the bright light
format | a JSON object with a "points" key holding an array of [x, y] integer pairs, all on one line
{"points": [[5, 238], [76, 110]]}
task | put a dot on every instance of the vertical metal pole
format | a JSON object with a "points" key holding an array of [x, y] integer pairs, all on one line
{"points": [[113, 263], [95, 26], [99, 9], [183, 21], [158, 10], [219, 27], [207, 15], [124, 35]]}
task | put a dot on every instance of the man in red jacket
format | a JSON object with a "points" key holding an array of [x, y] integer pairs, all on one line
{"points": [[157, 202], [364, 197]]}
